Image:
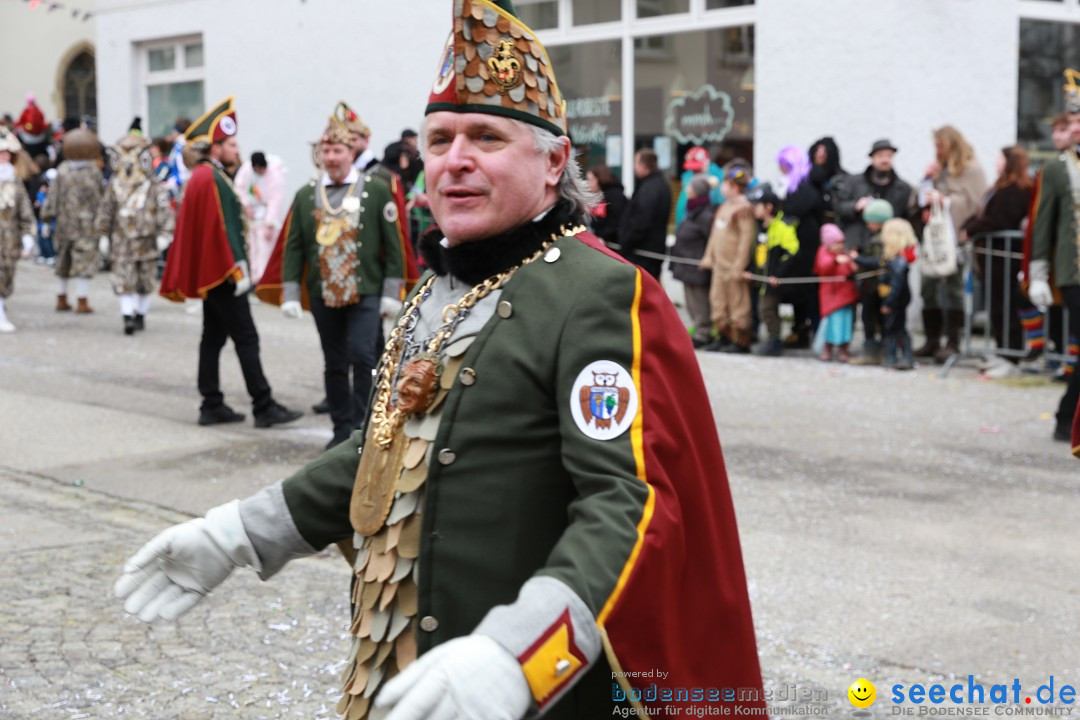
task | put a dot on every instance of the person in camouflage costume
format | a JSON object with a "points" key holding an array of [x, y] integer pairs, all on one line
{"points": [[16, 217], [135, 224], [72, 201]]}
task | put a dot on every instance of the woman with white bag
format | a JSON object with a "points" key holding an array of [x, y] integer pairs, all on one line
{"points": [[959, 184]]}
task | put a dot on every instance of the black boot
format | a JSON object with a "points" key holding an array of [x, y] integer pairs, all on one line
{"points": [[931, 320], [321, 408], [276, 414], [129, 325], [140, 321], [219, 415]]}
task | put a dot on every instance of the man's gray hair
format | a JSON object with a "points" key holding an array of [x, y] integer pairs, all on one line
{"points": [[572, 186]]}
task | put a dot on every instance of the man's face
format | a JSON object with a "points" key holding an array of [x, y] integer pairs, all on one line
{"points": [[360, 143], [1074, 128], [230, 151], [874, 227], [640, 171], [485, 176], [763, 211], [1061, 136], [337, 159], [411, 141], [882, 160], [259, 169]]}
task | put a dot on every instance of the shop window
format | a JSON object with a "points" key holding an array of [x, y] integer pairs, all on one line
{"points": [[1046, 49], [538, 14], [591, 82], [702, 94], [717, 4], [655, 8], [172, 80], [587, 12]]}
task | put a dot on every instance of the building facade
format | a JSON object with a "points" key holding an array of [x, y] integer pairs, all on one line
{"points": [[744, 77], [49, 54]]}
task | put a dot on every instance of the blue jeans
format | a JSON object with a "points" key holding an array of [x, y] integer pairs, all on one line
{"points": [[45, 245]]}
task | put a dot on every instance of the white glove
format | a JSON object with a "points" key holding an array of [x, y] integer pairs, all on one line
{"points": [[163, 242], [471, 677], [244, 283], [389, 307], [46, 230], [103, 245], [291, 309], [177, 568], [1040, 295], [28, 246]]}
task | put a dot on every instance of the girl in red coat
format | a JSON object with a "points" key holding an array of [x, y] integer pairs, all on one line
{"points": [[837, 298]]}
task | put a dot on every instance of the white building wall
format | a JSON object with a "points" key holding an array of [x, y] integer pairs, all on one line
{"points": [[287, 63], [37, 46], [860, 70]]}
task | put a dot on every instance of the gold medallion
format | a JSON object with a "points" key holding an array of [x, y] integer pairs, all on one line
{"points": [[330, 230], [376, 480]]}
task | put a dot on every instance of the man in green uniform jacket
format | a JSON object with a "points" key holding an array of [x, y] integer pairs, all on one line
{"points": [[341, 251], [537, 505], [1055, 244]]}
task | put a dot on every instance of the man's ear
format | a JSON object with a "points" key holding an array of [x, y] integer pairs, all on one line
{"points": [[557, 161]]}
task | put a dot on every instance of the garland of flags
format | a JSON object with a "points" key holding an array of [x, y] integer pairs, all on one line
{"points": [[51, 6]]}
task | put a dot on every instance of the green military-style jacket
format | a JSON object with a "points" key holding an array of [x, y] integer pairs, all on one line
{"points": [[1054, 230], [380, 247], [526, 484]]}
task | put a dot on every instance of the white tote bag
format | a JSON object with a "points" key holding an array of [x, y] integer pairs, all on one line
{"points": [[938, 257]]}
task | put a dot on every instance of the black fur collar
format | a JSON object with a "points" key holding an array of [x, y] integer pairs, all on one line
{"points": [[476, 261]]}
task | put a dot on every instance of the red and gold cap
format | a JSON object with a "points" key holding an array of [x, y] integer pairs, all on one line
{"points": [[493, 64], [215, 125], [352, 121]]}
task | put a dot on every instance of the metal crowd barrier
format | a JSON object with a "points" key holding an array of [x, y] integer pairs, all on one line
{"points": [[983, 245]]}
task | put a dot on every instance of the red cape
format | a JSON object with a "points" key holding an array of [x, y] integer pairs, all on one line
{"points": [[200, 257], [684, 606]]}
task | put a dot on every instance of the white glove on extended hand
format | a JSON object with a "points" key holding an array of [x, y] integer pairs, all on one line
{"points": [[103, 245], [389, 307], [292, 309], [471, 677], [28, 246], [177, 568], [1040, 295], [244, 283], [163, 242]]}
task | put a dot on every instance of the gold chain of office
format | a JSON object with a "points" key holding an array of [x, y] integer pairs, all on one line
{"points": [[386, 420]]}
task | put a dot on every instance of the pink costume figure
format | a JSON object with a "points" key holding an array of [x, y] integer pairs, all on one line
{"points": [[260, 184]]}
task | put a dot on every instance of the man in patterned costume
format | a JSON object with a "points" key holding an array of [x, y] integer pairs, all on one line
{"points": [[73, 201], [207, 261], [340, 252], [16, 218], [538, 502], [135, 225], [1055, 247]]}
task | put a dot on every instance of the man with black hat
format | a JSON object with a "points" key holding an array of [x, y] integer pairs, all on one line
{"points": [[853, 193], [207, 261], [538, 501]]}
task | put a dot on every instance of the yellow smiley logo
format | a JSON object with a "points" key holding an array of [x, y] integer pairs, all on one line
{"points": [[862, 693]]}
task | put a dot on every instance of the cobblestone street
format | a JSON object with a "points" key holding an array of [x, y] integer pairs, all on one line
{"points": [[67, 649]]}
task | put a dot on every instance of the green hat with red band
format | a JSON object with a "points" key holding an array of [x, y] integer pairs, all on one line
{"points": [[493, 64]]}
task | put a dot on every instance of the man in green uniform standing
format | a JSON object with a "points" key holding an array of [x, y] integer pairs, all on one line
{"points": [[537, 505], [1055, 244], [341, 252]]}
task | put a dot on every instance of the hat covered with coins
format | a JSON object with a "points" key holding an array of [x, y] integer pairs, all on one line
{"points": [[493, 64]]}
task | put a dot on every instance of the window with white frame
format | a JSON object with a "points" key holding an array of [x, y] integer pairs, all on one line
{"points": [[171, 79]]}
